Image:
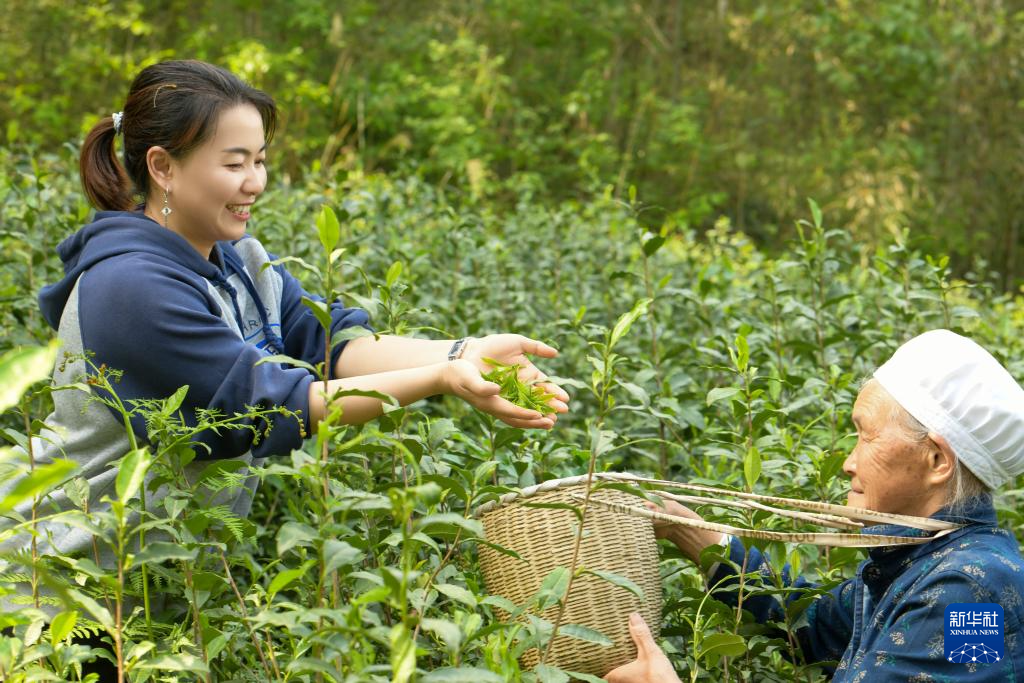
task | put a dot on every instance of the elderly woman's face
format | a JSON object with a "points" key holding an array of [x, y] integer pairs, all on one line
{"points": [[887, 470]]}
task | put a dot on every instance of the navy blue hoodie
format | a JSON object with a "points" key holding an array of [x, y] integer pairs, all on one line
{"points": [[150, 306]]}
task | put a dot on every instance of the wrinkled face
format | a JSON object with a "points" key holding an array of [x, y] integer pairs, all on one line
{"points": [[214, 187], [887, 470]]}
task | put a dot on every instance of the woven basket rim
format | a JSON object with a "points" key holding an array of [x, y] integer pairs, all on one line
{"points": [[551, 485]]}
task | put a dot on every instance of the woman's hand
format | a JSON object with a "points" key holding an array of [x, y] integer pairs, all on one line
{"points": [[689, 540], [462, 378], [515, 349], [651, 665]]}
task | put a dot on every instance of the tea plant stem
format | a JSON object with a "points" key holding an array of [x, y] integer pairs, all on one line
{"points": [[245, 619], [118, 601], [433, 575], [652, 325], [191, 585], [575, 557], [324, 455], [96, 557], [35, 504], [739, 595], [133, 445]]}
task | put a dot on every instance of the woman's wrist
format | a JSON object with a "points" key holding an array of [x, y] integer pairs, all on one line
{"points": [[446, 377]]}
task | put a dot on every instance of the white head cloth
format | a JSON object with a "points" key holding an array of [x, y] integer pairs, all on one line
{"points": [[958, 390]]}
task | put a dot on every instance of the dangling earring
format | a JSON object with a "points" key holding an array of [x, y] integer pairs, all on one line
{"points": [[167, 210]]}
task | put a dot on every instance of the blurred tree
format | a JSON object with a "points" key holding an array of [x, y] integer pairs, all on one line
{"points": [[897, 115]]}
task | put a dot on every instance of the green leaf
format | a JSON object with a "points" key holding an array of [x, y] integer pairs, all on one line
{"points": [[752, 466], [652, 243], [287, 360], [550, 674], [39, 481], [77, 491], [293, 534], [484, 470], [328, 228], [500, 602], [394, 272], [161, 552], [285, 578], [447, 631], [742, 353], [585, 633], [722, 645], [553, 587], [586, 678], [176, 662], [320, 311], [450, 519], [403, 654], [100, 614], [457, 593], [626, 321], [216, 645], [305, 665], [23, 367], [618, 580], [339, 553], [462, 674], [719, 393], [174, 401], [62, 625], [131, 472], [349, 333], [815, 212]]}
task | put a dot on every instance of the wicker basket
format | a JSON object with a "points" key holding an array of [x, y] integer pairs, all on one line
{"points": [[544, 538]]}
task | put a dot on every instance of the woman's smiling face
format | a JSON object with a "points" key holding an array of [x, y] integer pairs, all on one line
{"points": [[214, 187], [888, 471]]}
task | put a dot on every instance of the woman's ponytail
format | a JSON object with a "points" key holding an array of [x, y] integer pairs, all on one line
{"points": [[104, 180]]}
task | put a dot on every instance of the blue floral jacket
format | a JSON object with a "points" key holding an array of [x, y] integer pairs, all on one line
{"points": [[887, 623]]}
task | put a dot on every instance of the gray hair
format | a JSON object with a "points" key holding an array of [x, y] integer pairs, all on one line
{"points": [[964, 486]]}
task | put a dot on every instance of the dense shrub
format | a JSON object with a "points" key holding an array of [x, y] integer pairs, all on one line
{"points": [[739, 369]]}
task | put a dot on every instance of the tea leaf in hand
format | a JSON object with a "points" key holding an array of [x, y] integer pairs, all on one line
{"points": [[515, 390]]}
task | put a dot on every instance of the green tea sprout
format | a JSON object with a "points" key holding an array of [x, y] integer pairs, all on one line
{"points": [[523, 394]]}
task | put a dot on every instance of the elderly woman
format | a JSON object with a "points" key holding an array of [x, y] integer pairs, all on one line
{"points": [[939, 426]]}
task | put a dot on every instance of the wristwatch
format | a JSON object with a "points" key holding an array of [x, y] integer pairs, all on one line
{"points": [[458, 348]]}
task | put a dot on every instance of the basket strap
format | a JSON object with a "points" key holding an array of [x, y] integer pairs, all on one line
{"points": [[860, 514], [832, 521], [834, 540]]}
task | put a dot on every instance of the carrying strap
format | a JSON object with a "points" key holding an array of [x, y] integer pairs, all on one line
{"points": [[824, 514], [833, 540]]}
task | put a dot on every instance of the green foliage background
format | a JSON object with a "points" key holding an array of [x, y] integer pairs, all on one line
{"points": [[482, 159], [892, 114]]}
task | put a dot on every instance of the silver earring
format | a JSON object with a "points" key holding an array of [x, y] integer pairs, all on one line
{"points": [[167, 210]]}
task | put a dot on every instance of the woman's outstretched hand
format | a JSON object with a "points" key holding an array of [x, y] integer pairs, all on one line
{"points": [[650, 666], [464, 379]]}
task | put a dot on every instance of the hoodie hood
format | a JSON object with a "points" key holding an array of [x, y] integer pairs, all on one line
{"points": [[111, 234]]}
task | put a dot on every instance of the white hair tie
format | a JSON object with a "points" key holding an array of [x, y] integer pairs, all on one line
{"points": [[117, 116]]}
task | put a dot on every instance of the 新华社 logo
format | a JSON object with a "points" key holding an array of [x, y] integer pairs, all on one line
{"points": [[974, 633]]}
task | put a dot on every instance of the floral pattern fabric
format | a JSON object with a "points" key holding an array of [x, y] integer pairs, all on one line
{"points": [[887, 623]]}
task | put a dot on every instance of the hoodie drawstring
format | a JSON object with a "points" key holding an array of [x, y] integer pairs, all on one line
{"points": [[274, 342]]}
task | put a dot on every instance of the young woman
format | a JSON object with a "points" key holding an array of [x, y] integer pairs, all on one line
{"points": [[172, 291]]}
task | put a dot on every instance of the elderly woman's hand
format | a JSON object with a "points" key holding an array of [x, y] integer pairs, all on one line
{"points": [[689, 540], [650, 666]]}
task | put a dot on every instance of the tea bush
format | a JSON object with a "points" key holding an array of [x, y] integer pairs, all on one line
{"points": [[692, 358]]}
